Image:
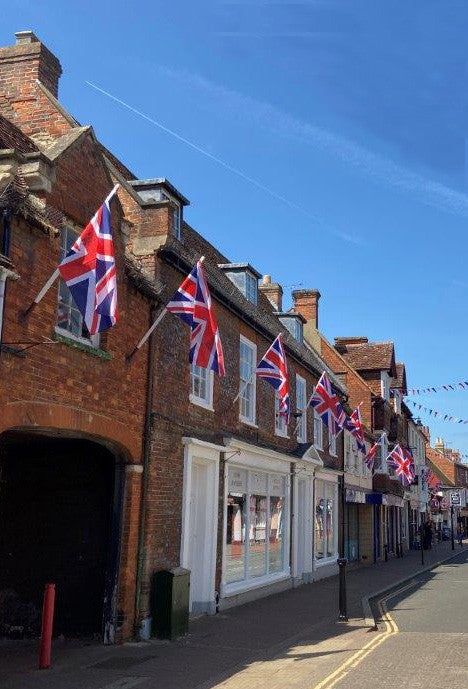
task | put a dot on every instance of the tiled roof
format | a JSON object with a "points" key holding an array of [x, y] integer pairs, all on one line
{"points": [[444, 468], [261, 315], [12, 137], [369, 356]]}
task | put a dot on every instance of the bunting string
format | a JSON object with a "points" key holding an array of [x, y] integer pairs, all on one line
{"points": [[461, 385], [438, 414]]}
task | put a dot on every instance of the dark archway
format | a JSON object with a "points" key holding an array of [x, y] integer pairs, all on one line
{"points": [[60, 508]]}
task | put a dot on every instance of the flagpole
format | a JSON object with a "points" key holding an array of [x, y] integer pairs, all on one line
{"points": [[243, 388], [56, 272], [158, 320]]}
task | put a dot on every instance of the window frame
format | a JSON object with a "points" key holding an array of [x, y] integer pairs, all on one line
{"points": [[253, 347], [327, 487], [301, 432], [250, 581], [252, 294], [281, 429], [385, 385], [318, 424], [205, 402], [94, 340]]}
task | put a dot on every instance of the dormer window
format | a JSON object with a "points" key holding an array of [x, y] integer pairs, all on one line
{"points": [[244, 277], [293, 322], [160, 190]]}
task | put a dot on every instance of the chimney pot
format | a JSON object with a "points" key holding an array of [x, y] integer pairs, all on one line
{"points": [[267, 279]]}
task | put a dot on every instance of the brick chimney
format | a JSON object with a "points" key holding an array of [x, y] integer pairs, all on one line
{"points": [[345, 341], [22, 66], [28, 60], [306, 303], [273, 291]]}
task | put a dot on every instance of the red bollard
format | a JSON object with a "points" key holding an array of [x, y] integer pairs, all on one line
{"points": [[45, 648]]}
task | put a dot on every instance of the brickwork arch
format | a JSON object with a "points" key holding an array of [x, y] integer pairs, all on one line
{"points": [[58, 419]]}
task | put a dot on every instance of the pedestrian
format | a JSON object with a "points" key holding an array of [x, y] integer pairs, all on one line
{"points": [[427, 536], [459, 535]]}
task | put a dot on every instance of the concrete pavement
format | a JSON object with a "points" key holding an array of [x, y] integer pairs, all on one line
{"points": [[287, 640]]}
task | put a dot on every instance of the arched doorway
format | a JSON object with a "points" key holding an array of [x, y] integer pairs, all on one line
{"points": [[60, 511]]}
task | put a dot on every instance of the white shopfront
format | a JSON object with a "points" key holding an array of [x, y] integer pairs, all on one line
{"points": [[261, 531], [325, 523]]}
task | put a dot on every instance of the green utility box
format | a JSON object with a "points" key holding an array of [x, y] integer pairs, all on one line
{"points": [[170, 593]]}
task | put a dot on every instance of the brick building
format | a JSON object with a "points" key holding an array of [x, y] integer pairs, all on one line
{"points": [[112, 468], [359, 516], [72, 412], [375, 363]]}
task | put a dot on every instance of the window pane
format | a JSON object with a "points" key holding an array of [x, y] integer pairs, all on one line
{"points": [[199, 383], [276, 534], [280, 419], [257, 551], [247, 382], [330, 520], [235, 538], [319, 520]]}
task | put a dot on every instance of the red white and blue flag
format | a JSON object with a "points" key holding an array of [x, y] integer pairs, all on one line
{"points": [[433, 481], [327, 405], [402, 461], [369, 459], [273, 368], [355, 426], [89, 272], [192, 303]]}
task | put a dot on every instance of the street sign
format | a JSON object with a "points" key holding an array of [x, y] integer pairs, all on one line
{"points": [[455, 498]]}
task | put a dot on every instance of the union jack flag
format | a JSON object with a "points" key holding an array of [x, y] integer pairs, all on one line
{"points": [[327, 405], [89, 272], [273, 368], [355, 426], [403, 462], [192, 303], [369, 459], [432, 481]]}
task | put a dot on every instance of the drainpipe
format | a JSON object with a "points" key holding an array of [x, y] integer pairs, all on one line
{"points": [[4, 273], [147, 433]]}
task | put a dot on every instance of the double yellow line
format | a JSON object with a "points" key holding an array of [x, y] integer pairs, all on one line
{"points": [[356, 659]]}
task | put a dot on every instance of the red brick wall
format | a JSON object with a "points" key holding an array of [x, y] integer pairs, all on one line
{"points": [[57, 387], [175, 417]]}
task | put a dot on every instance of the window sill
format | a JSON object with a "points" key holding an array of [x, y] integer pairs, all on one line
{"points": [[81, 346], [244, 586], [281, 434], [200, 403], [247, 422], [325, 561]]}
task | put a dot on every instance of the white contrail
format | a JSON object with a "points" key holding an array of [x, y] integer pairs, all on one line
{"points": [[343, 235], [377, 168]]}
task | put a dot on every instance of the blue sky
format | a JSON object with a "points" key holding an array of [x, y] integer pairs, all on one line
{"points": [[351, 117]]}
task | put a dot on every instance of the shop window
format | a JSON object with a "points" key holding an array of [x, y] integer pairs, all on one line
{"points": [[325, 520], [257, 506]]}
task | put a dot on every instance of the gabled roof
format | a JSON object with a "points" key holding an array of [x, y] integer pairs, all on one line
{"points": [[369, 356], [443, 467]]}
